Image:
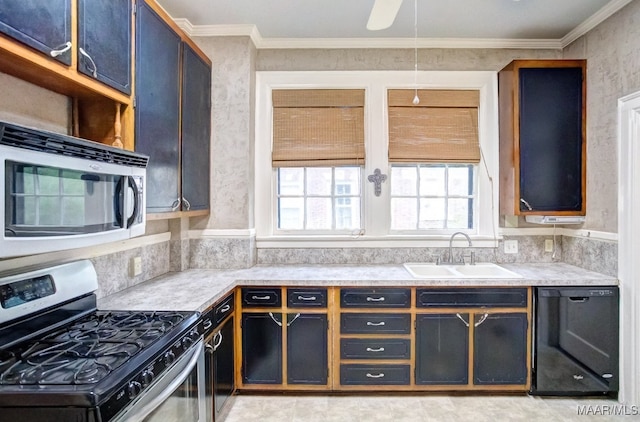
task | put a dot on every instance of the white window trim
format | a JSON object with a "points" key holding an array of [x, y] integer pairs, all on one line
{"points": [[376, 84]]}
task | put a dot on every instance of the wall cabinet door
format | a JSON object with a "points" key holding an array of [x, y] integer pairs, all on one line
{"points": [[42, 25], [223, 370], [157, 113], [307, 349], [104, 42], [196, 130], [500, 349], [262, 348], [542, 137], [442, 349]]}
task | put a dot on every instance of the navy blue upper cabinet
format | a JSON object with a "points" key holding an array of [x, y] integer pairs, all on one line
{"points": [[196, 130], [42, 25], [157, 112], [104, 42], [542, 137]]}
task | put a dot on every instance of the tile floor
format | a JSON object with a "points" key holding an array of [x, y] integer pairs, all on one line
{"points": [[398, 408]]}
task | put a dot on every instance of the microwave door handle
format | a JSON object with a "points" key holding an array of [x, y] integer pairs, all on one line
{"points": [[136, 201], [118, 202]]}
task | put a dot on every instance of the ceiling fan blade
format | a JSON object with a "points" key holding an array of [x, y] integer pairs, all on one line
{"points": [[383, 14]]}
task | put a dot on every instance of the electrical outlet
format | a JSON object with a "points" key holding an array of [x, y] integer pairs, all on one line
{"points": [[548, 245], [510, 246], [136, 266]]}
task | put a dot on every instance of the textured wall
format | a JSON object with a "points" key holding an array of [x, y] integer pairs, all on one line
{"points": [[233, 98], [394, 59], [612, 50], [30, 105]]}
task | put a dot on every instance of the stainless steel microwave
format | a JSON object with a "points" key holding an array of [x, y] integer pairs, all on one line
{"points": [[62, 192]]}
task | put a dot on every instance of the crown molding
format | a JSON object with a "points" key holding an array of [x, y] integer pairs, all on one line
{"points": [[594, 20]]}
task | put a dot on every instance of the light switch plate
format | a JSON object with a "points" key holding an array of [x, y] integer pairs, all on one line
{"points": [[510, 246], [136, 266], [548, 245]]}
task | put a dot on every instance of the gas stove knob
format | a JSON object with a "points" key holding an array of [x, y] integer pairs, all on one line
{"points": [[147, 377], [187, 341], [134, 389], [169, 358]]}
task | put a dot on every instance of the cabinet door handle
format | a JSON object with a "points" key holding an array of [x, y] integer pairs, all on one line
{"points": [[294, 318], [63, 49], [267, 297], [275, 320], [308, 298], [526, 204], [380, 375], [93, 71], [484, 317], [375, 324], [379, 349], [224, 309], [209, 348], [462, 319], [176, 204], [375, 299], [187, 204], [218, 342]]}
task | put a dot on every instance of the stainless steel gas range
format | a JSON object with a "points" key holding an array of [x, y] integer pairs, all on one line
{"points": [[62, 359]]}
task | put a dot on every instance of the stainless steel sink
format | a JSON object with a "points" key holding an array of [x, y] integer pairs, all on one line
{"points": [[480, 270]]}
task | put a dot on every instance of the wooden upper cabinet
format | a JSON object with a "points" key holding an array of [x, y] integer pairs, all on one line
{"points": [[78, 48], [542, 137], [42, 25], [104, 42]]}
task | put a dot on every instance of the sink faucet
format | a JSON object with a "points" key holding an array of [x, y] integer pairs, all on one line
{"points": [[451, 260]]}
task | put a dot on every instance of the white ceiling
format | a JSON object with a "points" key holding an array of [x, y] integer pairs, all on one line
{"points": [[437, 19]]}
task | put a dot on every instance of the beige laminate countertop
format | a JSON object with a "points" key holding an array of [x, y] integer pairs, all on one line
{"points": [[196, 290]]}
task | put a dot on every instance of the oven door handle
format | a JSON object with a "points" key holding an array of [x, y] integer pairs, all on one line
{"points": [[166, 391]]}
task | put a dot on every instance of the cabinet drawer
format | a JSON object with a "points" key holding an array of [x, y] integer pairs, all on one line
{"points": [[375, 298], [375, 323], [374, 374], [223, 309], [307, 298], [263, 298], [375, 348], [472, 298]]}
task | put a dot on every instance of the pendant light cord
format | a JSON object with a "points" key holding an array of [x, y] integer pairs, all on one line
{"points": [[416, 100]]}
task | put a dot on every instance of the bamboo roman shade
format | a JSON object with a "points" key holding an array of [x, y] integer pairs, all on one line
{"points": [[318, 127], [443, 127]]}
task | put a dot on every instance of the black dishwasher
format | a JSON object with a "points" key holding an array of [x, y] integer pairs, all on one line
{"points": [[576, 341]]}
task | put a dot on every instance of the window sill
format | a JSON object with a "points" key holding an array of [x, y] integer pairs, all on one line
{"points": [[347, 241]]}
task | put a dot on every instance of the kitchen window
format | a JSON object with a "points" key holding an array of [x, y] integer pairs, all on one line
{"points": [[310, 202]]}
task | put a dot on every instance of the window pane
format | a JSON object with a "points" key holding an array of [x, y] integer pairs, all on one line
{"points": [[459, 181], [319, 213], [347, 213], [404, 213], [318, 181], [432, 181], [432, 213], [291, 213], [460, 214], [403, 181], [347, 180], [290, 181]]}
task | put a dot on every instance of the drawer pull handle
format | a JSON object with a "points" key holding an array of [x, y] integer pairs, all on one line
{"points": [[375, 324], [207, 324], [462, 319], [375, 299], [224, 309], [484, 317], [308, 298], [380, 375], [267, 297], [379, 349]]}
